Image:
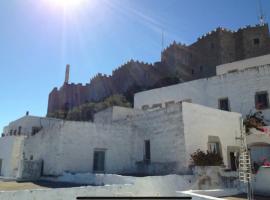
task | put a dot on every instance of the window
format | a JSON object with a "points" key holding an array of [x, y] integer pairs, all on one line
{"points": [[15, 132], [158, 105], [201, 68], [261, 100], [212, 45], [224, 104], [192, 71], [147, 151], [99, 161], [214, 147], [35, 130], [31, 157], [169, 103], [19, 130], [187, 100], [145, 107], [256, 41], [233, 71]]}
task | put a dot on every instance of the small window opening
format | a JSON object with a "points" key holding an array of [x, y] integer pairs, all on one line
{"points": [[145, 107], [169, 103], [19, 130], [158, 105], [147, 151], [224, 104], [35, 130], [256, 41], [201, 68], [214, 147], [261, 100]]}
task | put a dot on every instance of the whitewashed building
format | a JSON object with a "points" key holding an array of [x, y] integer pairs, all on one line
{"points": [[10, 155], [156, 137], [241, 87], [130, 141]]}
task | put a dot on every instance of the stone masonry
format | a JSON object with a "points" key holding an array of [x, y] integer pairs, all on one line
{"points": [[195, 61]]}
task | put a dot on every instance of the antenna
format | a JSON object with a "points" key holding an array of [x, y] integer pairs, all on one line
{"points": [[162, 40], [261, 15]]}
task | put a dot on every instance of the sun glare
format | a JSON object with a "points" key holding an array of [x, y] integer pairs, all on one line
{"points": [[66, 3]]}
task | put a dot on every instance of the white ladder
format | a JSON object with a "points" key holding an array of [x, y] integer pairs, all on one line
{"points": [[244, 166], [245, 163]]}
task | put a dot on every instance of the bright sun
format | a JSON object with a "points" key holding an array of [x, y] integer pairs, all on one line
{"points": [[66, 3]]}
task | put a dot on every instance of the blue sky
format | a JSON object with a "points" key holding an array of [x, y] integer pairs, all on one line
{"points": [[38, 38]]}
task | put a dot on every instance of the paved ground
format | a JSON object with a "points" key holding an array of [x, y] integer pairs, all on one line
{"points": [[242, 197], [13, 185], [9, 185]]}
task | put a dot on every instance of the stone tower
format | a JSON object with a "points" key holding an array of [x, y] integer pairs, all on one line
{"points": [[67, 74]]}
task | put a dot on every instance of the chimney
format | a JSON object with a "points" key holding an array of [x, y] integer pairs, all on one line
{"points": [[67, 74], [27, 113]]}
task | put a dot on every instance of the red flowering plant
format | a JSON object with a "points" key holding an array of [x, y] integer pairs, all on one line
{"points": [[255, 120], [265, 162]]}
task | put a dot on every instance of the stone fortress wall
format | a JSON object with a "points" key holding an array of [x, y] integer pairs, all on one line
{"points": [[198, 60]]}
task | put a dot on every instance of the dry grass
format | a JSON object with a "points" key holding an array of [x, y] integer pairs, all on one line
{"points": [[10, 186]]}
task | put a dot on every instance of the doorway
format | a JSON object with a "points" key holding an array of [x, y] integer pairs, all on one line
{"points": [[233, 161], [99, 161]]}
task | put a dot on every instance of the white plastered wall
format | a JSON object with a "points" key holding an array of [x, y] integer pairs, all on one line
{"points": [[10, 154], [201, 122]]}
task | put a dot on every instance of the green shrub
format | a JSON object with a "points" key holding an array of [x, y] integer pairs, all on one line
{"points": [[200, 158], [86, 111]]}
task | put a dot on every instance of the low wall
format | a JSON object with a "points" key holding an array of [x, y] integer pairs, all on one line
{"points": [[214, 177], [158, 168], [209, 194]]}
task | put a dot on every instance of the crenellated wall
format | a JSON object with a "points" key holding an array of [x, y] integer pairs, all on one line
{"points": [[186, 62], [215, 48], [132, 73]]}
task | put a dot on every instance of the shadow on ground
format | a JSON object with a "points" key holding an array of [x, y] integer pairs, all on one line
{"points": [[51, 184]]}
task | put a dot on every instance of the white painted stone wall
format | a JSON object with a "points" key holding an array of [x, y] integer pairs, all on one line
{"points": [[243, 64], [27, 123], [69, 146], [116, 113], [201, 122], [10, 154], [164, 129], [239, 87], [174, 134]]}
